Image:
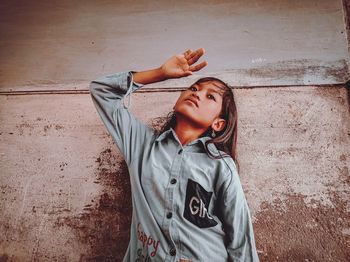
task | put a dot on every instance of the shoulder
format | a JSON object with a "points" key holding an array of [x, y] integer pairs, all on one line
{"points": [[230, 173], [134, 131], [227, 165], [226, 174], [228, 184]]}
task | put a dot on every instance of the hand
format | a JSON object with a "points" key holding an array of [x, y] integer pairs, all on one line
{"points": [[183, 64]]}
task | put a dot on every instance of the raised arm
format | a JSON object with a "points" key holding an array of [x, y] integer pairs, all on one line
{"points": [[108, 92], [177, 66]]}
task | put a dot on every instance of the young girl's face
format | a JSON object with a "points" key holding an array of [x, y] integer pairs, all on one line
{"points": [[200, 103]]}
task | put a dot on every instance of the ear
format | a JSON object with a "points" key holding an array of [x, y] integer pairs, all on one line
{"points": [[218, 124]]}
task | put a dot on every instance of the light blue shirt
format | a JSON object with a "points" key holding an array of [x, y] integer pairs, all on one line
{"points": [[186, 205]]}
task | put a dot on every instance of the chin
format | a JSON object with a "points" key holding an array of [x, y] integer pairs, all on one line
{"points": [[185, 111], [189, 114]]}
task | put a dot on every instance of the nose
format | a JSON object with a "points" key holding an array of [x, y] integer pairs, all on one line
{"points": [[195, 95]]}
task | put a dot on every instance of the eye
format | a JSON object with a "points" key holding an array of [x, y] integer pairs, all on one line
{"points": [[211, 97], [192, 88]]}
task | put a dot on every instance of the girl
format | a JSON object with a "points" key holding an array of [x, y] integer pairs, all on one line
{"points": [[188, 202]]}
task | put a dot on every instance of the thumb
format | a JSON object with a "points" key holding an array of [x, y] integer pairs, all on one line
{"points": [[188, 73]]}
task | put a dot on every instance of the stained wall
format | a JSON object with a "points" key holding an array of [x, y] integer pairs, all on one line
{"points": [[65, 191]]}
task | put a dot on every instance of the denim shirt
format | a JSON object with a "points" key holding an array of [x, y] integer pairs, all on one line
{"points": [[186, 205]]}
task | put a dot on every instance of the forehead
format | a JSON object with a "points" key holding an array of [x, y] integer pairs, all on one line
{"points": [[211, 85]]}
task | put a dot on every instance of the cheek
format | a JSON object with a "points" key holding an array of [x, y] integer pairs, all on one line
{"points": [[178, 101], [207, 114], [177, 105], [211, 110]]}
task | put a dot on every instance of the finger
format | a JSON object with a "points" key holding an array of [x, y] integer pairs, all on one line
{"points": [[198, 66], [183, 60], [187, 53], [193, 58]]}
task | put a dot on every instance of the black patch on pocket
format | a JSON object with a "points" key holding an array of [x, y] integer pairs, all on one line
{"points": [[197, 204]]}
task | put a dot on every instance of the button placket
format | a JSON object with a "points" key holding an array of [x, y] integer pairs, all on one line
{"points": [[170, 200]]}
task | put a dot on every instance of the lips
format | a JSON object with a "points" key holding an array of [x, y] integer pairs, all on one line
{"points": [[193, 101]]}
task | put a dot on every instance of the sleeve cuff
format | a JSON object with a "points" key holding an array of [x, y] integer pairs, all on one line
{"points": [[138, 85]]}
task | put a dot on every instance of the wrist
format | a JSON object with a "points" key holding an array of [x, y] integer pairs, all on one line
{"points": [[150, 76], [161, 73]]}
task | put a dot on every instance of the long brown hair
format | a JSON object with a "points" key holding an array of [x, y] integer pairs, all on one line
{"points": [[226, 139]]}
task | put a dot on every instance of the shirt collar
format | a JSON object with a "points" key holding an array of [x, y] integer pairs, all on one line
{"points": [[163, 135], [202, 140]]}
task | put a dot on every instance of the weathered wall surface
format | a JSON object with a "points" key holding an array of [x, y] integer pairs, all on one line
{"points": [[274, 42], [65, 192], [64, 189]]}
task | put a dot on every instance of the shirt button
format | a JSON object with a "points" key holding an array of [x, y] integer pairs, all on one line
{"points": [[173, 181], [172, 252], [169, 215], [180, 151]]}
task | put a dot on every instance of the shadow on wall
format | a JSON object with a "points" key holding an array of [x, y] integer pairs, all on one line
{"points": [[105, 225]]}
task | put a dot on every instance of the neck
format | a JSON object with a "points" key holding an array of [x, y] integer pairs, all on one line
{"points": [[186, 131]]}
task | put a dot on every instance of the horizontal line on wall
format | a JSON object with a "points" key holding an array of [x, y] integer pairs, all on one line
{"points": [[146, 90], [295, 72]]}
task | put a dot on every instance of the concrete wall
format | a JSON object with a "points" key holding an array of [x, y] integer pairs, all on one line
{"points": [[64, 186], [65, 192], [274, 42]]}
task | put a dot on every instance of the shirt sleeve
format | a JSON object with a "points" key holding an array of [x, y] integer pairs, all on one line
{"points": [[108, 94], [240, 241]]}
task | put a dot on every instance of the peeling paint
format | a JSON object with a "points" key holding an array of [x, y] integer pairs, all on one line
{"points": [[27, 127], [301, 71]]}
